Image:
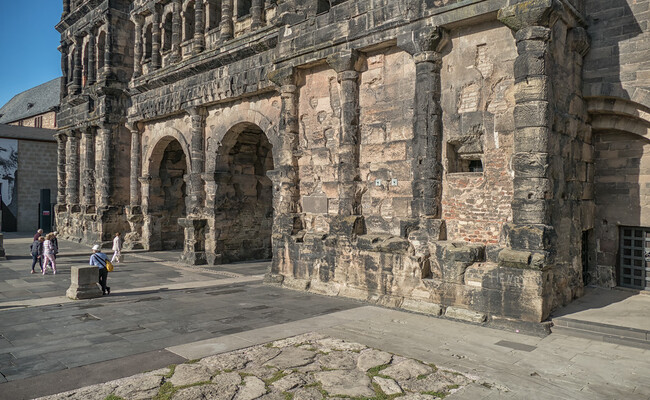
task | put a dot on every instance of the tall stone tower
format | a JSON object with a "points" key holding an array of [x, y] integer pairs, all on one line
{"points": [[97, 64]]}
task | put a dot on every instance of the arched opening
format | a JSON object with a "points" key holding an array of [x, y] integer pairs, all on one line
{"points": [[244, 198], [213, 18], [188, 21], [323, 6], [167, 195], [167, 33], [85, 66], [101, 46], [148, 42], [243, 8]]}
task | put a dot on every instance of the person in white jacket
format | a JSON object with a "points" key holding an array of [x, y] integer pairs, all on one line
{"points": [[117, 248]]}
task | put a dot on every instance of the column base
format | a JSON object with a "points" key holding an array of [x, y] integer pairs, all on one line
{"points": [[194, 246], [83, 283]]}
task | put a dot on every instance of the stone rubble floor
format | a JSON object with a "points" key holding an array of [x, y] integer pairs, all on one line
{"points": [[311, 366]]}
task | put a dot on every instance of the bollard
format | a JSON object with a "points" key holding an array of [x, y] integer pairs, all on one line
{"points": [[84, 283]]}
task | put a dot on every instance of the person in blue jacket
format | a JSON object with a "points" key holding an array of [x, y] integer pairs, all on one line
{"points": [[99, 259]]}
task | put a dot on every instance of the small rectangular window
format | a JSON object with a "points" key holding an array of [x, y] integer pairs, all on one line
{"points": [[38, 122]]}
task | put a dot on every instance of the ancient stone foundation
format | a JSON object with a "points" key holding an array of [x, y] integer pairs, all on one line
{"points": [[436, 156]]}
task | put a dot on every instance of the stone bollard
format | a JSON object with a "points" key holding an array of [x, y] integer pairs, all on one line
{"points": [[2, 249], [84, 283]]}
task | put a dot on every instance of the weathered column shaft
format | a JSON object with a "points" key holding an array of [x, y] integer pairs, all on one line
{"points": [[61, 167], [155, 37], [427, 136], [176, 30], [64, 68], [134, 198], [199, 27], [108, 48], [66, 7], [137, 48], [72, 168], [103, 165], [286, 199], [348, 151], [256, 14], [92, 61], [198, 159], [89, 167], [227, 28], [76, 73]]}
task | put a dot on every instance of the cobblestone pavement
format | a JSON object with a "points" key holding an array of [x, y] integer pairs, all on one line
{"points": [[306, 367]]}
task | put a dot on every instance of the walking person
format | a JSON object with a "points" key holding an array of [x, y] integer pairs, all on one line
{"points": [[99, 259], [55, 243], [38, 234], [37, 253], [49, 253], [117, 248]]}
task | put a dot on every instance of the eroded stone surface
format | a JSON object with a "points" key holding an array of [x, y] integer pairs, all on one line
{"points": [[295, 366], [187, 374]]}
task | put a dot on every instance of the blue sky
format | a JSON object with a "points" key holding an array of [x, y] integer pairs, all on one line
{"points": [[28, 42]]}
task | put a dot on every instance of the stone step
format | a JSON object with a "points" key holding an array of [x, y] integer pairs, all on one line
{"points": [[632, 337]]}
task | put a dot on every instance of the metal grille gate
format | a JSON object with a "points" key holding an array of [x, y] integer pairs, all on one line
{"points": [[635, 258]]}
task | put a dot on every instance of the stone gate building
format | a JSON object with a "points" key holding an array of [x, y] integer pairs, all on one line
{"points": [[476, 157]]}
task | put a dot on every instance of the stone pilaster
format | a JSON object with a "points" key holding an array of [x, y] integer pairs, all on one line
{"points": [[425, 46], [103, 165], [63, 48], [199, 27], [176, 31], [75, 88], [92, 60], [88, 177], [72, 168], [345, 64], [66, 8], [256, 13], [136, 160], [530, 228], [196, 195], [155, 37], [194, 244], [286, 198], [108, 48], [138, 21], [226, 26], [61, 138]]}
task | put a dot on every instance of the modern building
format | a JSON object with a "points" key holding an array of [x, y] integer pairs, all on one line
{"points": [[479, 158]]}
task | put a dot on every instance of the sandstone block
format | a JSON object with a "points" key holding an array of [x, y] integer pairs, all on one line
{"points": [[420, 306], [83, 283], [465, 314]]}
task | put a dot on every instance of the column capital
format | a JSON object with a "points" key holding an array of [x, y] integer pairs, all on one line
{"points": [[134, 127], [424, 40], [72, 133], [529, 13], [197, 112], [345, 60], [137, 19], [285, 76]]}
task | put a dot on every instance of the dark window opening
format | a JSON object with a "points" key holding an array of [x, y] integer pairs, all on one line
{"points": [[634, 257], [188, 22], [213, 18], [243, 8], [38, 122], [323, 6], [148, 45], [475, 166], [167, 33]]}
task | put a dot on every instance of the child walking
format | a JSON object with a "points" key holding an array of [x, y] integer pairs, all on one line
{"points": [[49, 251]]}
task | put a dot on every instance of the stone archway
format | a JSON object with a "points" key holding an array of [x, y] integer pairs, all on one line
{"points": [[167, 194], [244, 195]]}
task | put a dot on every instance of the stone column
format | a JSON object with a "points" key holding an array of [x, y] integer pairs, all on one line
{"points": [[286, 198], [108, 48], [227, 28], [137, 49], [61, 167], [155, 37], [532, 114], [66, 7], [256, 14], [345, 64], [72, 169], [103, 165], [425, 46], [199, 28], [134, 198], [76, 73], [196, 195], [63, 48], [176, 31], [89, 168], [92, 61]]}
